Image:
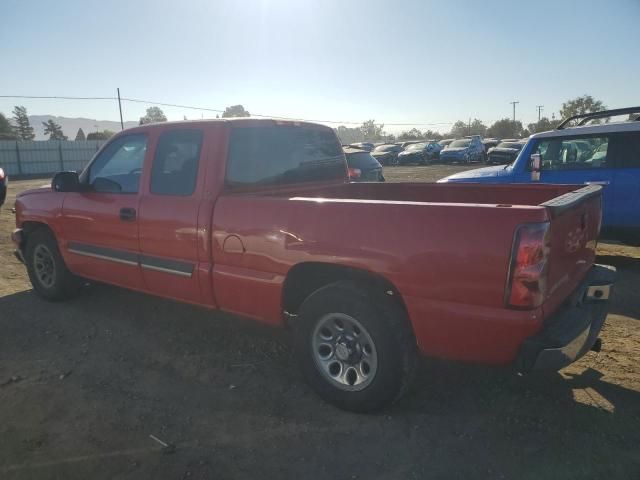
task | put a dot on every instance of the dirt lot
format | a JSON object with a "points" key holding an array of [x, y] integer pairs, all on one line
{"points": [[84, 384]]}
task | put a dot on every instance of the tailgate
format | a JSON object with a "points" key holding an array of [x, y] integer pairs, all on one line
{"points": [[575, 225]]}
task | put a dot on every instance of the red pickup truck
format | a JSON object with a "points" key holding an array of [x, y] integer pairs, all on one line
{"points": [[257, 217]]}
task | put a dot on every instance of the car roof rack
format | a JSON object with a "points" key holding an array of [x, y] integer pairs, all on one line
{"points": [[585, 117]]}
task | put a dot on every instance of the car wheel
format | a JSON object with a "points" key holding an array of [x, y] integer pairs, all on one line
{"points": [[355, 346], [49, 275]]}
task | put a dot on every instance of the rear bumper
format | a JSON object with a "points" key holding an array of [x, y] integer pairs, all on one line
{"points": [[574, 329]]}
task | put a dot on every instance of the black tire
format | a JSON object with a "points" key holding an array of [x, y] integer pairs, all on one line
{"points": [[41, 249], [383, 321]]}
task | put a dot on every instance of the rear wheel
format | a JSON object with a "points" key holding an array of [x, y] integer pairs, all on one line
{"points": [[49, 275], [355, 346]]}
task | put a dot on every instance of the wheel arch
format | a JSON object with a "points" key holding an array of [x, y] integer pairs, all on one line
{"points": [[305, 278]]}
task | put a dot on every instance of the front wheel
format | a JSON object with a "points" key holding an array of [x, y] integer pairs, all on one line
{"points": [[49, 275], [355, 346]]}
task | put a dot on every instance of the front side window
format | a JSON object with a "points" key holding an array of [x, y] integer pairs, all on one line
{"points": [[175, 165], [578, 153], [283, 154], [118, 167]]}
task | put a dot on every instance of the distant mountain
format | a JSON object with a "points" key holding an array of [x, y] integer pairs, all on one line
{"points": [[70, 126]]}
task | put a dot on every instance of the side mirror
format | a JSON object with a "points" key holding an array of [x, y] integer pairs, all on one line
{"points": [[535, 163], [65, 182]]}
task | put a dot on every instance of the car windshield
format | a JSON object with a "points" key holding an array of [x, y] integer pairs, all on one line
{"points": [[416, 146], [510, 145], [465, 142], [386, 148]]}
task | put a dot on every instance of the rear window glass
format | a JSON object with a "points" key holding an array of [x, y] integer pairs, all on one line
{"points": [[283, 154], [361, 160]]}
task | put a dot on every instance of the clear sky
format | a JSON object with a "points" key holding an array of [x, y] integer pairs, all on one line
{"points": [[396, 61]]}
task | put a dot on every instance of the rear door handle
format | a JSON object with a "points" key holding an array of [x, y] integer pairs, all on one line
{"points": [[598, 182], [127, 214]]}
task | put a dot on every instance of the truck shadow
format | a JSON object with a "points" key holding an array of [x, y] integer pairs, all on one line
{"points": [[143, 364], [626, 300]]}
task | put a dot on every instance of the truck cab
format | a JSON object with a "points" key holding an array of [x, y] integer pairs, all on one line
{"points": [[606, 154]]}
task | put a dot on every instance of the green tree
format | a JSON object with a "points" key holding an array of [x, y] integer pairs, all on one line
{"points": [[54, 130], [413, 134], [542, 125], [371, 131], [235, 111], [478, 128], [432, 135], [6, 129], [103, 135], [154, 115], [463, 129], [23, 128], [348, 135], [580, 105], [80, 136], [459, 129], [505, 128]]}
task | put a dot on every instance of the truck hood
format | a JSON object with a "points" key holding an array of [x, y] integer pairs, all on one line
{"points": [[479, 173], [46, 188]]}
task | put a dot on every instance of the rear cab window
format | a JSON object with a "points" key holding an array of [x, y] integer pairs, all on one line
{"points": [[283, 154]]}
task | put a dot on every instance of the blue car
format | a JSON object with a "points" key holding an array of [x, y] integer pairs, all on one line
{"points": [[606, 154], [463, 150]]}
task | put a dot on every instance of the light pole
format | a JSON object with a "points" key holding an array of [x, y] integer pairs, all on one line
{"points": [[514, 109]]}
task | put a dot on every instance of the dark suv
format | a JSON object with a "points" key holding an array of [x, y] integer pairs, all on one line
{"points": [[362, 166]]}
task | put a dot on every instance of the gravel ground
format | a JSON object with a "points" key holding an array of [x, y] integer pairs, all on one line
{"points": [[84, 384]]}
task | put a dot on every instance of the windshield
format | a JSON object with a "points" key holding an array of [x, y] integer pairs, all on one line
{"points": [[386, 148], [510, 145], [416, 146], [465, 142]]}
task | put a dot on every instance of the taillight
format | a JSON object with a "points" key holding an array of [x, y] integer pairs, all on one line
{"points": [[527, 282], [354, 173], [1, 174]]}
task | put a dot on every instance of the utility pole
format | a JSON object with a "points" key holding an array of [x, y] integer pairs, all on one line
{"points": [[514, 109], [120, 107], [469, 126], [539, 107]]}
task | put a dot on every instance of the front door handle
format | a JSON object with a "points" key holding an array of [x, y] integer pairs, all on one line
{"points": [[598, 182], [127, 214]]}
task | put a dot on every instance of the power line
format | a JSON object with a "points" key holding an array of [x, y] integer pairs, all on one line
{"points": [[215, 110]]}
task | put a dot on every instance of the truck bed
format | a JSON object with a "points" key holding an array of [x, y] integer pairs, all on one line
{"points": [[445, 247]]}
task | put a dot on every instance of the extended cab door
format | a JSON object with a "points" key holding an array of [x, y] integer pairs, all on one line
{"points": [[576, 160], [100, 225], [170, 239]]}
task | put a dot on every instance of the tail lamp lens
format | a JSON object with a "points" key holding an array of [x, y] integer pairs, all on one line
{"points": [[354, 173], [1, 174], [527, 283]]}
